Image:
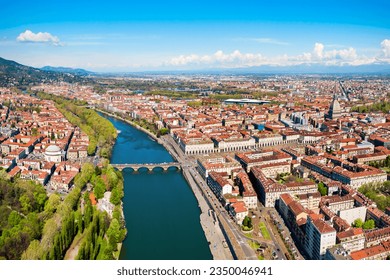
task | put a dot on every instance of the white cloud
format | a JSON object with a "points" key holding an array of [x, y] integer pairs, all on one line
{"points": [[318, 50], [385, 45], [40, 37], [219, 58], [319, 55]]}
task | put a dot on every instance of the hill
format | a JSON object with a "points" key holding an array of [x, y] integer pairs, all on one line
{"points": [[15, 74], [75, 71]]}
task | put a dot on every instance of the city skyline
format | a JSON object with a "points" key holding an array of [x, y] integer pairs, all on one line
{"points": [[125, 36]]}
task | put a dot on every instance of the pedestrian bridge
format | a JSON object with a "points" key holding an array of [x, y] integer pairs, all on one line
{"points": [[150, 166]]}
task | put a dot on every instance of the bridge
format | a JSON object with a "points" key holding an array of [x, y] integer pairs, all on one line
{"points": [[149, 166]]}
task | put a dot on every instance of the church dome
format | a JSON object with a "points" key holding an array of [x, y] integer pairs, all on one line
{"points": [[53, 149]]}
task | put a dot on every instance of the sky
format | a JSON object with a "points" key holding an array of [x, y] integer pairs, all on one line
{"points": [[120, 36]]}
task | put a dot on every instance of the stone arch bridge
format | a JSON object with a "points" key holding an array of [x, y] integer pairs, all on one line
{"points": [[149, 166]]}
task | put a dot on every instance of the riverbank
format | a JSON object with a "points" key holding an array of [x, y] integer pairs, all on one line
{"points": [[128, 121]]}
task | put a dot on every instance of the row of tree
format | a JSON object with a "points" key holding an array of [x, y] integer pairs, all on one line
{"points": [[379, 164], [376, 107]]}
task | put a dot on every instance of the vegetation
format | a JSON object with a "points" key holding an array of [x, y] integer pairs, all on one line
{"points": [[162, 131], [100, 131], [264, 231], [322, 189], [22, 213], [65, 220], [254, 244], [174, 94], [376, 107], [247, 224], [369, 224], [146, 125], [377, 192], [15, 74], [288, 178], [381, 164], [194, 104]]}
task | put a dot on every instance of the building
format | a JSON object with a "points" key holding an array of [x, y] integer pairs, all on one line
{"points": [[259, 158], [54, 153], [218, 184], [350, 215], [377, 252], [319, 237], [269, 191], [310, 201], [218, 164], [247, 192], [334, 110], [352, 239], [238, 210]]}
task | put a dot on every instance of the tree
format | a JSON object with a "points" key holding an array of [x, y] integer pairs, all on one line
{"points": [[99, 189], [13, 219], [34, 131], [247, 223], [358, 223], [116, 196], [322, 189], [115, 234], [52, 203], [369, 224], [34, 251], [25, 202]]}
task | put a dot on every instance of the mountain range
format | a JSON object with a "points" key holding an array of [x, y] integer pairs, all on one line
{"points": [[75, 71], [15, 74]]}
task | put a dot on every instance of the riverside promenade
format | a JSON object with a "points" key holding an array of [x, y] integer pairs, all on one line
{"points": [[208, 220]]}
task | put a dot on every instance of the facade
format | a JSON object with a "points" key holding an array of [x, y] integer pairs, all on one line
{"points": [[319, 237], [269, 191], [352, 239], [350, 215], [219, 185], [196, 147]]}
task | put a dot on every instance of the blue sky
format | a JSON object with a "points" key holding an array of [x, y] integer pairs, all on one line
{"points": [[175, 35]]}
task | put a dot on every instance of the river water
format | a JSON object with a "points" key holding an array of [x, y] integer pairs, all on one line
{"points": [[161, 212]]}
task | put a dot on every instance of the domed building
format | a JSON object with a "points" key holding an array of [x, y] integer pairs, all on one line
{"points": [[54, 153], [334, 110]]}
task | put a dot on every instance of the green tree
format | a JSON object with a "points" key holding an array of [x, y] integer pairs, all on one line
{"points": [[116, 196], [115, 234], [322, 189], [52, 203], [369, 224], [99, 188], [25, 202], [247, 223], [358, 223], [14, 219]]}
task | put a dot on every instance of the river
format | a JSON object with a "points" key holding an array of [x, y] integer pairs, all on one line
{"points": [[161, 212]]}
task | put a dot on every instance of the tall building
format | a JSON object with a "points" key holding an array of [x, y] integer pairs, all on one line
{"points": [[319, 237], [334, 110]]}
